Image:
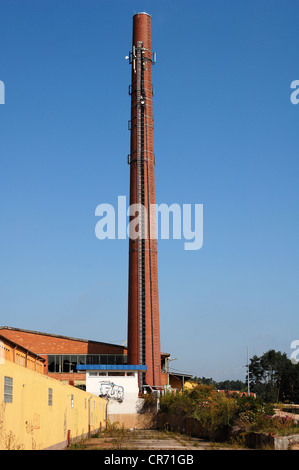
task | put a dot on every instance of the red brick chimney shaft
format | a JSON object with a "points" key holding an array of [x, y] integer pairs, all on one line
{"points": [[143, 299]]}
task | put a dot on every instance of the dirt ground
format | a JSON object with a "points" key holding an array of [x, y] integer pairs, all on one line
{"points": [[149, 440]]}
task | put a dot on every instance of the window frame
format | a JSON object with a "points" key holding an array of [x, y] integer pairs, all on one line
{"points": [[8, 389], [50, 396]]}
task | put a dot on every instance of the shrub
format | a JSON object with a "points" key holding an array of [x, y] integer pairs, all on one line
{"points": [[217, 412], [212, 409], [179, 404], [253, 405], [274, 425]]}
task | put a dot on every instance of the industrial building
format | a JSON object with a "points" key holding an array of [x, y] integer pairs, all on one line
{"points": [[62, 354]]}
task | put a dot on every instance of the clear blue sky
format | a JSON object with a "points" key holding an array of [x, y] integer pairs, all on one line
{"points": [[226, 136]]}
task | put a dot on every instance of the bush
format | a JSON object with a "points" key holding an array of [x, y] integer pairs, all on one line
{"points": [[179, 404], [274, 425], [216, 411], [254, 405], [212, 409]]}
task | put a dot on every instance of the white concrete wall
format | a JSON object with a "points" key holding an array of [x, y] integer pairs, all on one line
{"points": [[120, 391]]}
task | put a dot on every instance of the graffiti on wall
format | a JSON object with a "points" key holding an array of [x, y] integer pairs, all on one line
{"points": [[112, 390]]}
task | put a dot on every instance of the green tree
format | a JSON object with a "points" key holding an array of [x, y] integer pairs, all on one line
{"points": [[274, 377]]}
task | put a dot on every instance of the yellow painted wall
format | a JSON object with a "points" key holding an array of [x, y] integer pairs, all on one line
{"points": [[190, 384], [30, 423]]}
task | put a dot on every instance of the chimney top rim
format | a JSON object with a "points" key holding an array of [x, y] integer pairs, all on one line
{"points": [[142, 13]]}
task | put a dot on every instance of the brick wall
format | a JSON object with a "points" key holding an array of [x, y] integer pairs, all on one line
{"points": [[164, 379], [44, 344], [70, 378]]}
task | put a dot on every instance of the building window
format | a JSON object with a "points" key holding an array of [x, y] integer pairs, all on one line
{"points": [[8, 389], [68, 363], [72, 401], [50, 396], [54, 363]]}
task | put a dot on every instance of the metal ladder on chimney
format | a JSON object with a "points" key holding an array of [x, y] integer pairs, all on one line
{"points": [[153, 279], [140, 202], [152, 257]]}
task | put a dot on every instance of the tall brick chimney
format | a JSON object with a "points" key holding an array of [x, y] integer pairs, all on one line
{"points": [[143, 298]]}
